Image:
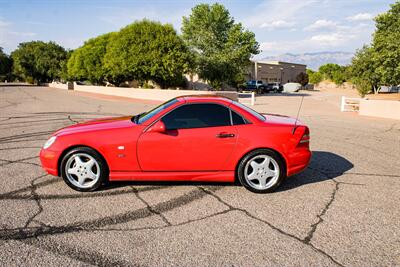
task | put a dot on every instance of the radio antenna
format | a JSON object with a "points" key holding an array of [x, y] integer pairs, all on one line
{"points": [[297, 117]]}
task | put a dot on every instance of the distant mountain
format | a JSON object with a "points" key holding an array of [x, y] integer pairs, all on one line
{"points": [[314, 60]]}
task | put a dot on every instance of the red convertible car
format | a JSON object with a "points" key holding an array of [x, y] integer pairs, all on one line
{"points": [[188, 138]]}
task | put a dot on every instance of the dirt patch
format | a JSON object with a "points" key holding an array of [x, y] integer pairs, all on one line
{"points": [[346, 89]]}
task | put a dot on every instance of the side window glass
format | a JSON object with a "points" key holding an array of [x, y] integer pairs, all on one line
{"points": [[237, 119], [197, 116]]}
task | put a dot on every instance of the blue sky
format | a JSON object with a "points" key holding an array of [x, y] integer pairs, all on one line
{"points": [[281, 26]]}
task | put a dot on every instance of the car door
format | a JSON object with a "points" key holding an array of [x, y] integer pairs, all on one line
{"points": [[198, 137]]}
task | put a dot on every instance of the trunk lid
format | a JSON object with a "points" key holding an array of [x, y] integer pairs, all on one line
{"points": [[281, 120]]}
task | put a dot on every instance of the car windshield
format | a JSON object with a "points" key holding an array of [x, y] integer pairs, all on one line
{"points": [[249, 110], [139, 119]]}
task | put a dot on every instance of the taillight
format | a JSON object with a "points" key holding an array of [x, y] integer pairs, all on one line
{"points": [[305, 139]]}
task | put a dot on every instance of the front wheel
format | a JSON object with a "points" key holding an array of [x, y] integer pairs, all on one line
{"points": [[83, 169], [261, 171]]}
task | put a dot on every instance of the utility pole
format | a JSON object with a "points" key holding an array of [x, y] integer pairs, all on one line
{"points": [[255, 70]]}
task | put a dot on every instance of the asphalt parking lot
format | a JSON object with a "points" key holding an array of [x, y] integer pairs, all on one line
{"points": [[343, 210]]}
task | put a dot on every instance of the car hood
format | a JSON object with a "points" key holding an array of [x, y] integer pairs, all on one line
{"points": [[98, 124], [280, 119]]}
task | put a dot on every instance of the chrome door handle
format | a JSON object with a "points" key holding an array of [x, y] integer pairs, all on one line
{"points": [[225, 135]]}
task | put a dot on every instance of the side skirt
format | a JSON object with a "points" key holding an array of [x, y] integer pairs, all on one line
{"points": [[212, 176]]}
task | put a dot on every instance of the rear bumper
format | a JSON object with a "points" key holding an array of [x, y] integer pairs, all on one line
{"points": [[298, 161], [49, 160]]}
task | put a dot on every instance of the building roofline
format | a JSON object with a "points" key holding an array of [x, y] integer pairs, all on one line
{"points": [[276, 62]]}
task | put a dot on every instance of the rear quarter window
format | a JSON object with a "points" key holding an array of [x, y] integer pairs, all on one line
{"points": [[237, 119], [249, 110]]}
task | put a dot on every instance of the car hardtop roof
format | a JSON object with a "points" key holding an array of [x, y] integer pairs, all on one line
{"points": [[217, 99], [205, 98]]}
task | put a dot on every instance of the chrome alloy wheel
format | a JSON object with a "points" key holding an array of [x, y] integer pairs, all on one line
{"points": [[261, 172], [82, 170]]}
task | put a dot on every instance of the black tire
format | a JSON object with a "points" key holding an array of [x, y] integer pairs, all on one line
{"points": [[103, 168], [260, 152]]}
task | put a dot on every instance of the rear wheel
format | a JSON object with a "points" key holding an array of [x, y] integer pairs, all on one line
{"points": [[261, 171], [83, 169]]}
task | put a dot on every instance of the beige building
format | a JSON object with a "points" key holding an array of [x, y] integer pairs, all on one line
{"points": [[275, 71]]}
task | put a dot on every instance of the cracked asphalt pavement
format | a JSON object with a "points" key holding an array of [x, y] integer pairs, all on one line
{"points": [[342, 210]]}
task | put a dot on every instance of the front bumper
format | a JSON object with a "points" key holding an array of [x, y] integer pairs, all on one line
{"points": [[49, 160]]}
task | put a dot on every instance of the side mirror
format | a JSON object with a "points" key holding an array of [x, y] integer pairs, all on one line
{"points": [[158, 127]]}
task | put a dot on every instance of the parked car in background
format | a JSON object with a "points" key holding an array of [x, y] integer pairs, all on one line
{"points": [[256, 86], [274, 87], [389, 89], [259, 87]]}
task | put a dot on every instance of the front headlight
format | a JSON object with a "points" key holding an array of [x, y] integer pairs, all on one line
{"points": [[49, 142]]}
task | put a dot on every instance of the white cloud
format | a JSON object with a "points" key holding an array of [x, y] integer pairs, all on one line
{"points": [[360, 17], [21, 34], [273, 48], [342, 35], [277, 24], [321, 24], [121, 18], [266, 46], [332, 39], [274, 11], [340, 39], [9, 38]]}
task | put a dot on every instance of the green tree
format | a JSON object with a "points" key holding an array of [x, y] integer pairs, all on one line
{"points": [[327, 70], [146, 50], [38, 61], [5, 66], [378, 64], [334, 72], [87, 62], [386, 46], [363, 70], [64, 68], [314, 77], [221, 47], [340, 75], [302, 78]]}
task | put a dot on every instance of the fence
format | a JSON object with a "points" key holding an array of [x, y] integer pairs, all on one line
{"points": [[350, 104]]}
